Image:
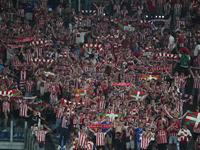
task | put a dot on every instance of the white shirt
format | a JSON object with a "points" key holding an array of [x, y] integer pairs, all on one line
{"points": [[80, 37], [196, 50], [8, 54], [171, 42]]}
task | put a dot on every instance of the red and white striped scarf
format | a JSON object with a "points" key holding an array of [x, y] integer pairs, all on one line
{"points": [[160, 68], [43, 60], [46, 42], [93, 45], [90, 11], [128, 132], [167, 55]]}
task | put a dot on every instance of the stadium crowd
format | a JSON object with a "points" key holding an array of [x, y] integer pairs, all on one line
{"points": [[113, 75]]}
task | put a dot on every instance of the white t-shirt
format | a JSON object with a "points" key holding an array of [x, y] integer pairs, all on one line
{"points": [[196, 50], [9, 56], [171, 43], [80, 37]]}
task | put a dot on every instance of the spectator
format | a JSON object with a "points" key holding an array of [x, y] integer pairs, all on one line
{"points": [[65, 121], [151, 8], [29, 10], [184, 133]]}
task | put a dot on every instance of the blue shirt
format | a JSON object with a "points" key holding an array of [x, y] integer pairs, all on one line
{"points": [[31, 6], [138, 133], [105, 129], [78, 51], [1, 68], [64, 122]]}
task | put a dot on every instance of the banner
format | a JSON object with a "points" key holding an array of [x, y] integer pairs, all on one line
{"points": [[122, 84], [126, 27], [96, 126], [137, 95], [193, 119], [26, 39]]}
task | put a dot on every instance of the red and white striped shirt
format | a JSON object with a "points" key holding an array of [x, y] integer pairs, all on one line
{"points": [[129, 78], [29, 85], [89, 145], [60, 111], [167, 7], [111, 111], [82, 139], [23, 75], [172, 131], [108, 56], [160, 3], [161, 136], [107, 46], [142, 36], [100, 10], [177, 8], [88, 22], [124, 12], [197, 61], [41, 135], [20, 12], [100, 138], [38, 51], [145, 141], [41, 23], [47, 86], [181, 82], [9, 4], [129, 131], [179, 23], [23, 109], [196, 82], [180, 105], [54, 92], [101, 104], [28, 57], [6, 106], [117, 8]]}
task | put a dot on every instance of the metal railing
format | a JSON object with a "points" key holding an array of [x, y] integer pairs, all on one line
{"points": [[8, 142]]}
